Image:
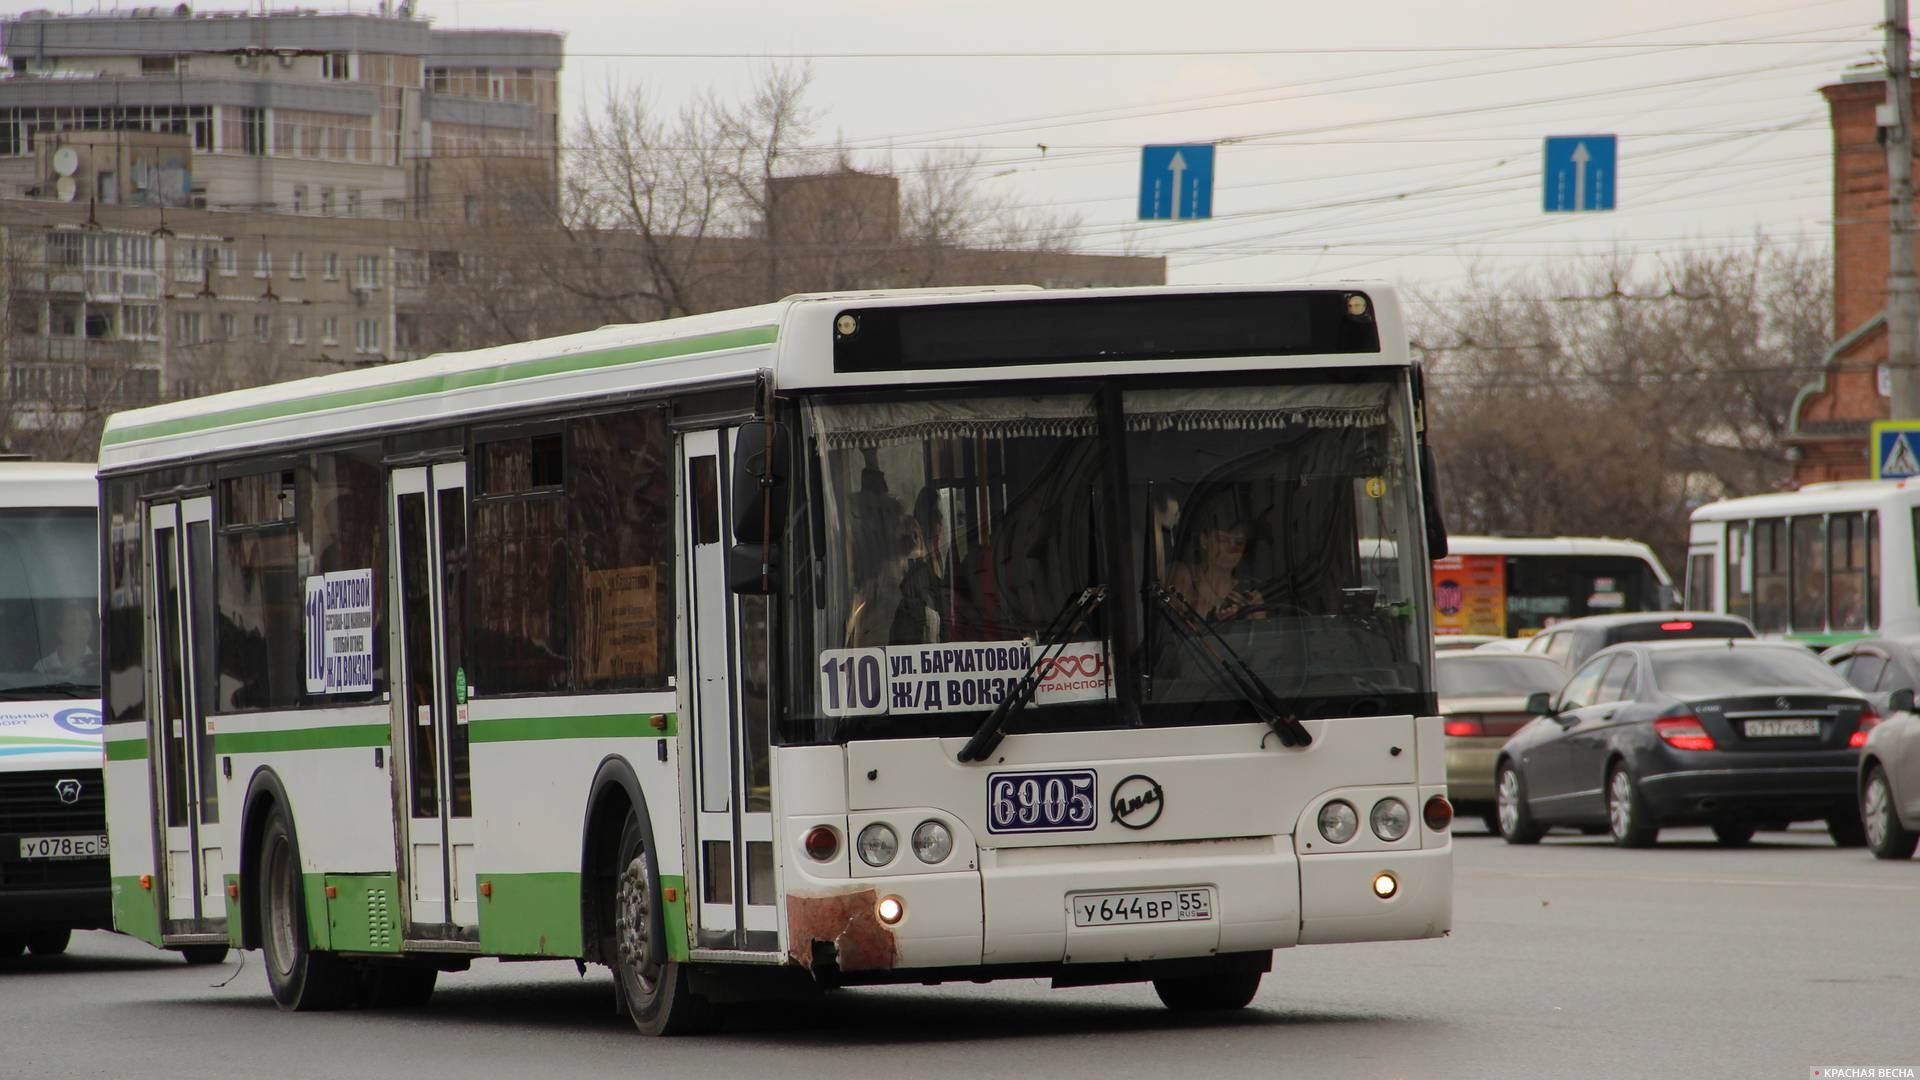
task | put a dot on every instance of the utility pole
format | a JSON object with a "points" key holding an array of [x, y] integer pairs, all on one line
{"points": [[1903, 288]]}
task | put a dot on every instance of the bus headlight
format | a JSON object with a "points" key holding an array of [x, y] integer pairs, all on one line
{"points": [[1390, 818], [932, 842], [1339, 821], [878, 844]]}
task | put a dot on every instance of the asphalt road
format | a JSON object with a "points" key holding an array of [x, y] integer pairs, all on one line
{"points": [[1569, 959]]}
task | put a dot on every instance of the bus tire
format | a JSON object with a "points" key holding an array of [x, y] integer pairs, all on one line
{"points": [[49, 942], [203, 955], [396, 984], [300, 978], [654, 988], [1208, 993]]}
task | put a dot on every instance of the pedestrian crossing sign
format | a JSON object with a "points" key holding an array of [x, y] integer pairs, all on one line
{"points": [[1896, 449]]}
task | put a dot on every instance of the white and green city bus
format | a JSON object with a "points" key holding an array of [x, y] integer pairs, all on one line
{"points": [[825, 643], [1807, 564]]}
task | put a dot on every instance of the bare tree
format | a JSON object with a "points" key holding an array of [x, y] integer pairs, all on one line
{"points": [[1611, 397]]}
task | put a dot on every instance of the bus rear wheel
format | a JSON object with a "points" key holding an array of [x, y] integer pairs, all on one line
{"points": [[1208, 993], [202, 955], [49, 942], [652, 986], [396, 984], [301, 979]]}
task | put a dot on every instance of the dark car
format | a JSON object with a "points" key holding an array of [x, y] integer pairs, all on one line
{"points": [[1571, 642], [1878, 666], [1738, 735]]}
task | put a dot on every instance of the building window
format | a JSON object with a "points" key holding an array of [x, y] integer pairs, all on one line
{"points": [[140, 322], [473, 209], [299, 268], [366, 271], [263, 328], [186, 328], [326, 202], [299, 198], [336, 66], [159, 65], [330, 330], [296, 330], [353, 202], [226, 326], [409, 269], [366, 336], [263, 263], [229, 261], [330, 266]]}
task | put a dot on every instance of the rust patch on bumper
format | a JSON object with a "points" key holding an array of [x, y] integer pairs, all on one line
{"points": [[847, 920]]}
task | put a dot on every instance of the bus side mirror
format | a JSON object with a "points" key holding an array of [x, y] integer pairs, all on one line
{"points": [[1430, 497], [1540, 703], [759, 481], [1900, 700], [745, 572]]}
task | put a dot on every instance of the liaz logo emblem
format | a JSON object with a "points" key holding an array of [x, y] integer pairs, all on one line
{"points": [[68, 790], [1780, 703], [1136, 802]]}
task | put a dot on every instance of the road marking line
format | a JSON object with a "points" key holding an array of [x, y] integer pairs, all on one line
{"points": [[1681, 879]]}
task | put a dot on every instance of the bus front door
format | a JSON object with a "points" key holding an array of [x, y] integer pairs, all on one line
{"points": [[182, 681], [428, 580], [725, 679]]}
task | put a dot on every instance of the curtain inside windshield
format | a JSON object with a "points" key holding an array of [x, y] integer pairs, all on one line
{"points": [[49, 603]]}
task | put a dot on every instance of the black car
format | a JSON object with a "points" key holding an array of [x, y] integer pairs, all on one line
{"points": [[1738, 735], [1878, 666], [1572, 641]]}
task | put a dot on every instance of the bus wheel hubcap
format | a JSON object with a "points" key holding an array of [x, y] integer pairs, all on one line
{"points": [[280, 914], [630, 921]]}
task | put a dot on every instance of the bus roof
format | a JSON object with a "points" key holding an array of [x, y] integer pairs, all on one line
{"points": [[26, 484], [1552, 545], [637, 357], [1814, 499]]}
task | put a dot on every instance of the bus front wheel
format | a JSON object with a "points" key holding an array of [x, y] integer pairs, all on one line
{"points": [[1208, 993], [652, 986], [301, 979]]}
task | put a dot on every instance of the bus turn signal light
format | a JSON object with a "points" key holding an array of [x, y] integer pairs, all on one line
{"points": [[822, 843], [1438, 813], [146, 882]]}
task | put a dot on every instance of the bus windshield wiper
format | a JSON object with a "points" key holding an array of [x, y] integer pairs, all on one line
{"points": [[1052, 641], [1228, 664], [50, 689]]}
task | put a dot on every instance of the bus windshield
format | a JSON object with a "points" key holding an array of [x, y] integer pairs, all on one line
{"points": [[49, 592], [953, 533]]}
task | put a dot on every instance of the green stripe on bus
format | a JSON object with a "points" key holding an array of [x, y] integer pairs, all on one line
{"points": [[459, 380], [37, 740], [674, 916], [136, 913], [324, 738], [127, 750], [530, 914], [537, 728]]}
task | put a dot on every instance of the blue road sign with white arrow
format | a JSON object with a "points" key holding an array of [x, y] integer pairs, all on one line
{"points": [[1579, 172], [1176, 182]]}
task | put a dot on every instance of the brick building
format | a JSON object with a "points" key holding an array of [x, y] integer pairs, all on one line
{"points": [[1832, 416]]}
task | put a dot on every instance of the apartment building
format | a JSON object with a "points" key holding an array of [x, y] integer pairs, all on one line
{"points": [[191, 201]]}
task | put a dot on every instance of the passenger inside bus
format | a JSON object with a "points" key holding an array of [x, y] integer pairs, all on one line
{"points": [[926, 598]]}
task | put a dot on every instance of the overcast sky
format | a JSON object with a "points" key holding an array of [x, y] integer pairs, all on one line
{"points": [[1371, 138]]}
